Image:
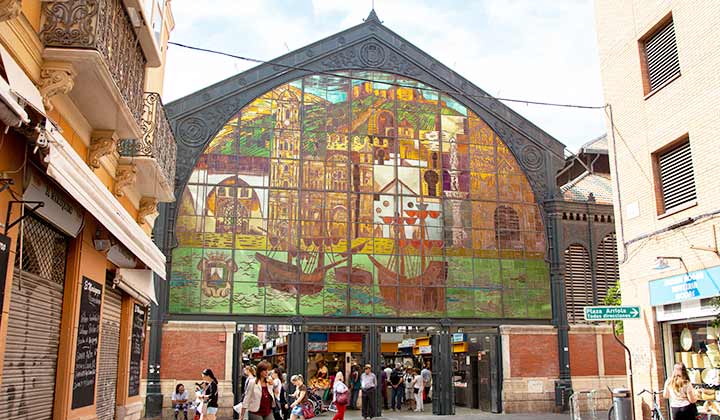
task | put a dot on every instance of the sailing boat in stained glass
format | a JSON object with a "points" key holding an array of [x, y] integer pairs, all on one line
{"points": [[412, 282]]}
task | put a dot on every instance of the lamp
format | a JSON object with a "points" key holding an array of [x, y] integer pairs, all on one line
{"points": [[661, 263]]}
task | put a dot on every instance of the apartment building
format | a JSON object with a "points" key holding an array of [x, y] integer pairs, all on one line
{"points": [[659, 63], [86, 154]]}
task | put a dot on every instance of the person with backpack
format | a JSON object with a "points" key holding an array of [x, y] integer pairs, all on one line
{"points": [[398, 389]]}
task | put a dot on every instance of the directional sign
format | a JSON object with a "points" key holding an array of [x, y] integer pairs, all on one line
{"points": [[611, 313]]}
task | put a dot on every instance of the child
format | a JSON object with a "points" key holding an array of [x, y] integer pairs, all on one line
{"points": [[180, 400]]}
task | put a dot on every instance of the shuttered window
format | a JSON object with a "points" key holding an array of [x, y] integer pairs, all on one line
{"points": [[677, 180], [661, 57], [578, 282], [607, 274]]}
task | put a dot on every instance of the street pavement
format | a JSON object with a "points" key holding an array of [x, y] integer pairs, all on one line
{"points": [[460, 414]]}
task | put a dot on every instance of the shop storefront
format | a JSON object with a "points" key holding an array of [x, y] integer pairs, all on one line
{"points": [[687, 311]]}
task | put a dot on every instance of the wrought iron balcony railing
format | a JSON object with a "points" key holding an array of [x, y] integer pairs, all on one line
{"points": [[157, 141], [103, 26]]}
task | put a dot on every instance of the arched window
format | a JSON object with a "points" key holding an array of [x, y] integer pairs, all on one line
{"points": [[507, 227], [578, 282], [607, 273]]}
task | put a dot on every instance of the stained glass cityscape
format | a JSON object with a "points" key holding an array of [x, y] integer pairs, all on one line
{"points": [[363, 195]]}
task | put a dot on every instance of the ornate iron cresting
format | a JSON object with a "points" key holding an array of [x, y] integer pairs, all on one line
{"points": [[157, 141], [104, 26]]}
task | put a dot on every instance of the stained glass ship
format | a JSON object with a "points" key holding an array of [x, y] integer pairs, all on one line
{"points": [[420, 289]]}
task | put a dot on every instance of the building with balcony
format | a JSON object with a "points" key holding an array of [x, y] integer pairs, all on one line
{"points": [[86, 155], [659, 66]]}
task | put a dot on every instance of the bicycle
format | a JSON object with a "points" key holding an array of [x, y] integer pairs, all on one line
{"points": [[655, 414]]}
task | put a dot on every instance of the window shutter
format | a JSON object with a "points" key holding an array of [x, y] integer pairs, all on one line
{"points": [[607, 267], [578, 282], [662, 56], [676, 176]]}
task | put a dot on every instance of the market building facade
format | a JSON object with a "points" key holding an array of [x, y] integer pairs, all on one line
{"points": [[86, 153], [660, 78], [380, 209]]}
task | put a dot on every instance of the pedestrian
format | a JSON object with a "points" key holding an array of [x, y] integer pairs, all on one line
{"points": [[418, 386], [210, 396], [398, 389], [301, 397], [409, 394], [259, 395], [280, 411], [384, 386], [681, 394], [354, 386], [340, 396], [427, 381], [368, 383], [180, 401]]}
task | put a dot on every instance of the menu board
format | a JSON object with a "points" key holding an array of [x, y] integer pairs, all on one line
{"points": [[136, 348], [88, 332], [4, 254]]}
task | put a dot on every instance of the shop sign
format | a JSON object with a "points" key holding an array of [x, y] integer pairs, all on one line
{"points": [[408, 342], [611, 313], [59, 209], [458, 338], [121, 257], [317, 346], [695, 285], [425, 349]]}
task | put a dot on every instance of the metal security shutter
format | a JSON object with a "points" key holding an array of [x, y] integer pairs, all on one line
{"points": [[109, 348], [33, 336], [662, 56], [607, 267], [677, 179], [578, 282]]}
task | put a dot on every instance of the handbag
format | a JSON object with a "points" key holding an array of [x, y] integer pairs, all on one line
{"points": [[308, 411], [342, 398]]}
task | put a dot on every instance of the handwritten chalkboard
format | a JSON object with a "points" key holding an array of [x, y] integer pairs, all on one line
{"points": [[136, 349], [87, 344]]}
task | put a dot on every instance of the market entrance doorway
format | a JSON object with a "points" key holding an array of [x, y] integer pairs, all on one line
{"points": [[464, 366]]}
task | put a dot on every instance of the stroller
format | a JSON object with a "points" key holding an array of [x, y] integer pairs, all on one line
{"points": [[316, 402]]}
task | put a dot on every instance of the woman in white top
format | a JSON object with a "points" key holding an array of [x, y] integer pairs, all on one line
{"points": [[418, 386], [340, 396], [681, 394]]}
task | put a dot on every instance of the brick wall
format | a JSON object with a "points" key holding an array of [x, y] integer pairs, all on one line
{"points": [[583, 355], [185, 354], [533, 356], [613, 356]]}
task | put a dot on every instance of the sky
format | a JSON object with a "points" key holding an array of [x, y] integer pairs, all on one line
{"points": [[539, 50]]}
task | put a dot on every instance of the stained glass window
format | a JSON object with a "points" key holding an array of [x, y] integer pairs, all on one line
{"points": [[362, 195]]}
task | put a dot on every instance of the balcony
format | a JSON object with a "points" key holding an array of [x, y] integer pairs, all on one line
{"points": [[153, 154], [97, 38]]}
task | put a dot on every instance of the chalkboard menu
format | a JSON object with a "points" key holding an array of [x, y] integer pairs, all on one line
{"points": [[4, 254], [136, 348], [87, 344]]}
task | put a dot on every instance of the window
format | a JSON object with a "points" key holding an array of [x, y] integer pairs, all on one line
{"points": [[659, 56], [674, 170], [607, 274], [578, 282], [507, 227]]}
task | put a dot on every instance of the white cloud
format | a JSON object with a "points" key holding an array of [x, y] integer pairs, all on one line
{"points": [[536, 50]]}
